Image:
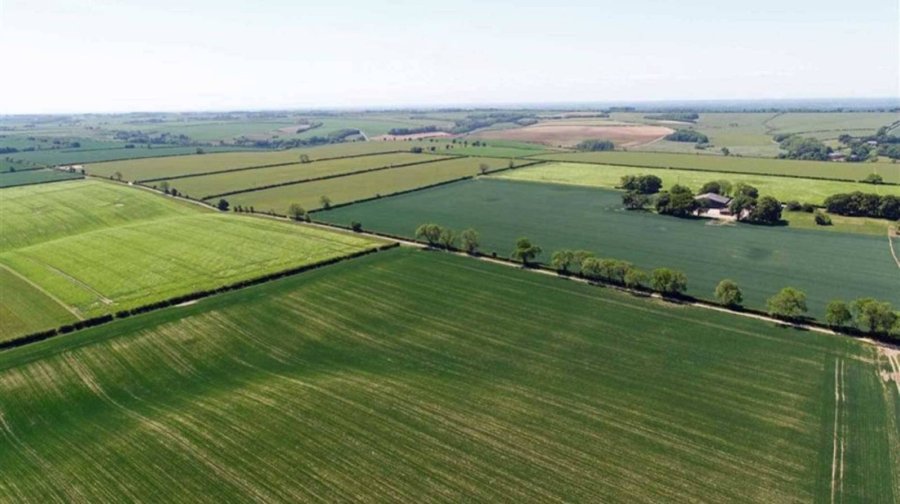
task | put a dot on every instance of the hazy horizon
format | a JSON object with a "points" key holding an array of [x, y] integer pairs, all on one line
{"points": [[103, 56]]}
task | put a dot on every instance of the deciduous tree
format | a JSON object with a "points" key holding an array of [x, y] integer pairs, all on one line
{"points": [[788, 303], [668, 281], [525, 251], [729, 294], [873, 316], [430, 232], [837, 314], [469, 239], [561, 260]]}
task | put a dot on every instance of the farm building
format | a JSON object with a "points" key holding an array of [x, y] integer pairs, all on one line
{"points": [[713, 200], [837, 156]]}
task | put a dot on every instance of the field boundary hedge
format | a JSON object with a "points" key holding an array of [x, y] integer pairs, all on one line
{"points": [[323, 177], [730, 172], [256, 167], [796, 323], [193, 296]]}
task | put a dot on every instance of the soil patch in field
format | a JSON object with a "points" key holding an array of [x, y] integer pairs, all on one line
{"points": [[568, 135]]}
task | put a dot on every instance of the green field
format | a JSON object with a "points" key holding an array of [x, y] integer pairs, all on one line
{"points": [[782, 188], [365, 185], [47, 212], [418, 377], [758, 166], [24, 309], [25, 177], [157, 168], [100, 247], [205, 185], [760, 259], [494, 148], [840, 223], [750, 133], [831, 125], [68, 156]]}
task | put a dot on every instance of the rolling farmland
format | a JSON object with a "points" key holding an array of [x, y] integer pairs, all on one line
{"points": [[206, 185], [121, 261], [782, 188], [159, 168], [758, 166], [750, 133], [365, 185], [761, 260], [428, 377]]}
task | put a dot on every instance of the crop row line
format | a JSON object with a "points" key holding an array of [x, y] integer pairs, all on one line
{"points": [[322, 177], [256, 167], [193, 296]]}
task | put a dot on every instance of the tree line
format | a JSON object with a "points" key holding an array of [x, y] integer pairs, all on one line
{"points": [[866, 315], [859, 204], [687, 135], [674, 116], [412, 131], [595, 145], [797, 147]]}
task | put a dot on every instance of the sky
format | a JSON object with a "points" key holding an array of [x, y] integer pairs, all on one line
{"points": [[130, 55]]}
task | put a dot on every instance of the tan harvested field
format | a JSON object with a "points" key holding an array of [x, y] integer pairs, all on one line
{"points": [[569, 133]]}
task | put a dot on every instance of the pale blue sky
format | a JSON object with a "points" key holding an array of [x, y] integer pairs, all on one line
{"points": [[120, 55]]}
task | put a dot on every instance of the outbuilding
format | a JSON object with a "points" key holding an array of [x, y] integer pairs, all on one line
{"points": [[713, 200]]}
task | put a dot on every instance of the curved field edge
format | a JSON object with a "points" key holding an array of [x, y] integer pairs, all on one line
{"points": [[420, 375]]}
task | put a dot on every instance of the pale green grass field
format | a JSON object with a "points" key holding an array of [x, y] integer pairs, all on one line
{"points": [[46, 212], [757, 166], [610, 176], [25, 309], [205, 185], [101, 247], [365, 185], [840, 223], [157, 168]]}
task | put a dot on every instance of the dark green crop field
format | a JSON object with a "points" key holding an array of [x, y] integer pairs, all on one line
{"points": [[761, 260], [890, 172], [26, 177], [424, 377]]}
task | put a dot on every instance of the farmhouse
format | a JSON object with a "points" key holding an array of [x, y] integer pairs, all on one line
{"points": [[713, 200], [837, 156]]}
